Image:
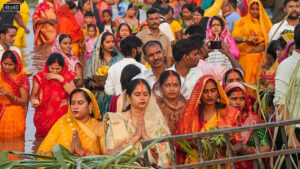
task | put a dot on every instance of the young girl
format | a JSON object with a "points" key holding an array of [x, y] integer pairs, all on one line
{"points": [[106, 25], [90, 41]]}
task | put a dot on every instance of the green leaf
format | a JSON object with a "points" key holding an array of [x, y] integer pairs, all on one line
{"points": [[187, 148], [4, 157], [146, 149], [59, 156], [9, 165]]}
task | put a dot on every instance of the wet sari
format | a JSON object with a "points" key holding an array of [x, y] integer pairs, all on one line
{"points": [[53, 100], [93, 65], [71, 60], [91, 134], [68, 24], [44, 33], [119, 129], [247, 27], [190, 121], [12, 116], [249, 118]]}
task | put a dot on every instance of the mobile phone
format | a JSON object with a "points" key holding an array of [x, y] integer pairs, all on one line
{"points": [[216, 44]]}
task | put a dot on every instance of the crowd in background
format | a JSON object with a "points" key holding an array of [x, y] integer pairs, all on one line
{"points": [[120, 72]]}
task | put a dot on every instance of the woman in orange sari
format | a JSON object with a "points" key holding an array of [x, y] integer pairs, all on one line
{"points": [[14, 93], [208, 108], [251, 35], [67, 24], [44, 22], [50, 92]]}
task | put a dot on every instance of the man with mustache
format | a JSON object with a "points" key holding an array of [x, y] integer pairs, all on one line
{"points": [[7, 39], [153, 33], [131, 48], [290, 23]]}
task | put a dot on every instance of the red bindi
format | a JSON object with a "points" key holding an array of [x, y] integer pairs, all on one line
{"points": [[233, 74], [172, 78], [142, 87]]}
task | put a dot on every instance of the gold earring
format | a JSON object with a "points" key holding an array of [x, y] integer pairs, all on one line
{"points": [[90, 111]]}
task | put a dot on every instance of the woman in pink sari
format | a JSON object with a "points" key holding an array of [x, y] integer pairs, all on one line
{"points": [[213, 34], [63, 45]]}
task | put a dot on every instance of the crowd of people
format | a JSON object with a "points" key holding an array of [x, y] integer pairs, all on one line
{"points": [[157, 68]]}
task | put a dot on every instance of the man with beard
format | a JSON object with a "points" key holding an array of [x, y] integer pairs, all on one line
{"points": [[7, 39], [131, 48], [153, 33], [290, 23]]}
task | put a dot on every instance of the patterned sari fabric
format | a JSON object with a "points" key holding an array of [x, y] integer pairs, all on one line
{"points": [[71, 60], [12, 116], [229, 41], [91, 134], [171, 113], [53, 100], [68, 24], [249, 118], [44, 33], [119, 129], [93, 65], [190, 121], [247, 27]]}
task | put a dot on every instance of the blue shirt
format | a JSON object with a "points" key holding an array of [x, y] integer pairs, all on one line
{"points": [[231, 19]]}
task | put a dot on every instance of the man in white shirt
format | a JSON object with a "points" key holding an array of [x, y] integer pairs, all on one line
{"points": [[186, 54], [7, 39], [287, 100], [290, 23], [154, 55], [131, 48]]}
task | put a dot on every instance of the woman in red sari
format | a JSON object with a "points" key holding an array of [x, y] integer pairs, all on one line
{"points": [[67, 24], [208, 108], [50, 91], [44, 22], [238, 99], [14, 92]]}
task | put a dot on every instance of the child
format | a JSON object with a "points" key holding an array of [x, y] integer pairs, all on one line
{"points": [[90, 41], [106, 25], [88, 19]]}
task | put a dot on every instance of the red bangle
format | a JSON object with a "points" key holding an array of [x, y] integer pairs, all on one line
{"points": [[84, 154]]}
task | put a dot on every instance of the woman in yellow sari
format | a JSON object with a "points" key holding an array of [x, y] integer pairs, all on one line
{"points": [[207, 109], [78, 130], [141, 119], [251, 35]]}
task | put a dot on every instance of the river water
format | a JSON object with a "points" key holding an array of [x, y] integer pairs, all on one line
{"points": [[34, 59]]}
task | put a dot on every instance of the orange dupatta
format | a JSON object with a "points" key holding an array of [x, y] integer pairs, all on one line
{"points": [[248, 26], [68, 24], [12, 116]]}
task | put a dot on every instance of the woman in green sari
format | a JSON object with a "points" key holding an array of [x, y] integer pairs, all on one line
{"points": [[105, 53]]}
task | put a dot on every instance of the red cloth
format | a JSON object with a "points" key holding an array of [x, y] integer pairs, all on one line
{"points": [[51, 94], [68, 24], [113, 104]]}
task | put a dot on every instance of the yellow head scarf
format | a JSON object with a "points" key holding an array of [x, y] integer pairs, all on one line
{"points": [[96, 110]]}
